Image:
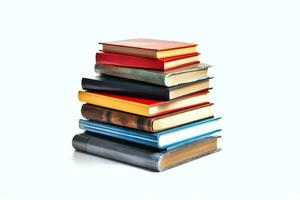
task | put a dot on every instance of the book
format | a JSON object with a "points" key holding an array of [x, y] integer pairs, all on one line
{"points": [[161, 64], [161, 139], [122, 86], [169, 78], [143, 156], [149, 47], [143, 106], [151, 124]]}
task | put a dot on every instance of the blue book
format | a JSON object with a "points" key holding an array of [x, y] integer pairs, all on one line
{"points": [[161, 140]]}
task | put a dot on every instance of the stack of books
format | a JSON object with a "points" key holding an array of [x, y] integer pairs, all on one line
{"points": [[149, 105]]}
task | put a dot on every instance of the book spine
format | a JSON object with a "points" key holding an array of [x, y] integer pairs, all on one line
{"points": [[148, 76], [113, 103], [123, 133], [129, 61], [116, 151], [126, 87], [115, 117]]}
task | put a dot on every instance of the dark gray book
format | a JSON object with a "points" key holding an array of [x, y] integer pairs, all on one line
{"points": [[141, 155], [169, 78]]}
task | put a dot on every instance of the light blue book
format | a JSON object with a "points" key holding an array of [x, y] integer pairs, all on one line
{"points": [[161, 140]]}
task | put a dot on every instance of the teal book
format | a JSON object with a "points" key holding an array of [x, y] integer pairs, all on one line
{"points": [[169, 78], [161, 139]]}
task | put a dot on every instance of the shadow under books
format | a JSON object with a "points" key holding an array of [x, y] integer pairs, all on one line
{"points": [[84, 158]]}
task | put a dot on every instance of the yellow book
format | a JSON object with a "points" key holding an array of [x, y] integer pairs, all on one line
{"points": [[140, 106]]}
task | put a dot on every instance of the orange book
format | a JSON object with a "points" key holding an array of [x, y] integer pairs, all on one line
{"points": [[141, 106], [149, 48]]}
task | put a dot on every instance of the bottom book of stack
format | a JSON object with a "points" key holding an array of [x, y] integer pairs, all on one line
{"points": [[144, 156]]}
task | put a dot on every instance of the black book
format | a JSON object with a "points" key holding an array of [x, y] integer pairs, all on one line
{"points": [[121, 86]]}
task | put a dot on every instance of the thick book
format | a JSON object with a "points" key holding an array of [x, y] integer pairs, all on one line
{"points": [[161, 139], [143, 106], [151, 124], [161, 64], [149, 47], [169, 78], [143, 156], [122, 86]]}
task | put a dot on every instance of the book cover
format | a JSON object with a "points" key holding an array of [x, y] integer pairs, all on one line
{"points": [[143, 106], [140, 155], [121, 86], [150, 124], [161, 139], [161, 64], [165, 78]]}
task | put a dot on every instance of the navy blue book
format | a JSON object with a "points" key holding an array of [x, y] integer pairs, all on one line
{"points": [[161, 140]]}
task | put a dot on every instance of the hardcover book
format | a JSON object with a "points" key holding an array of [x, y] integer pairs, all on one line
{"points": [[161, 139], [151, 124], [140, 155], [165, 78], [149, 47], [161, 64], [143, 106], [122, 86]]}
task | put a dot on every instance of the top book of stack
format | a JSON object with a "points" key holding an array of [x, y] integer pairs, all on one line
{"points": [[148, 53], [149, 48]]}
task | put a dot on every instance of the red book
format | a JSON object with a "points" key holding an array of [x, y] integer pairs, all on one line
{"points": [[150, 48], [162, 64]]}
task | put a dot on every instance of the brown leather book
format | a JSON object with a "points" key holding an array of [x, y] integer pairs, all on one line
{"points": [[151, 124]]}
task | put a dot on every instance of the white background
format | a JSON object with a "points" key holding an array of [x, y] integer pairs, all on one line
{"points": [[46, 47]]}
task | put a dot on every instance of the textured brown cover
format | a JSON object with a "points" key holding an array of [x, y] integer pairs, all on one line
{"points": [[120, 118]]}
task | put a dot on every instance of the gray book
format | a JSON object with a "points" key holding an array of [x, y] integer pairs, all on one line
{"points": [[169, 78], [144, 156]]}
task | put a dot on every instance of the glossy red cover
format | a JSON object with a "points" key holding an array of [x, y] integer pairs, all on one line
{"points": [[139, 62], [151, 102]]}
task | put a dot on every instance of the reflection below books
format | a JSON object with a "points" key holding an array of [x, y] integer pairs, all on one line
{"points": [[83, 158]]}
